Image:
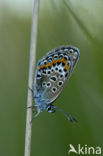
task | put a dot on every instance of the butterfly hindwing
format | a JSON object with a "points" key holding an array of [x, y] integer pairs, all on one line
{"points": [[53, 71]]}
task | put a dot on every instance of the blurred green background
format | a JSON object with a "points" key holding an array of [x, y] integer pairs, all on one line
{"points": [[75, 22]]}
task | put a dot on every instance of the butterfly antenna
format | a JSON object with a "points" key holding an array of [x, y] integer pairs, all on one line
{"points": [[68, 116]]}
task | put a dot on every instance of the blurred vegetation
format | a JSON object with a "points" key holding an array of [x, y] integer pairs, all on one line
{"points": [[80, 24]]}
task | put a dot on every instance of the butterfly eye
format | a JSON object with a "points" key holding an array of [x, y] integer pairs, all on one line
{"points": [[50, 109]]}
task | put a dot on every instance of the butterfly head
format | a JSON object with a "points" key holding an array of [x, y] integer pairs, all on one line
{"points": [[50, 108]]}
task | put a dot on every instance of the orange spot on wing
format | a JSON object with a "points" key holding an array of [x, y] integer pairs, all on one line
{"points": [[66, 67], [54, 61], [43, 66], [59, 60], [49, 64], [65, 61]]}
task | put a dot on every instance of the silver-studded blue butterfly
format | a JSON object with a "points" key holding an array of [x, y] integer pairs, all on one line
{"points": [[51, 75]]}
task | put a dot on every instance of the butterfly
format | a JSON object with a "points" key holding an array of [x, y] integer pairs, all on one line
{"points": [[52, 74]]}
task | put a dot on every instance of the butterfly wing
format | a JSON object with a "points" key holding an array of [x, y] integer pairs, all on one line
{"points": [[53, 71]]}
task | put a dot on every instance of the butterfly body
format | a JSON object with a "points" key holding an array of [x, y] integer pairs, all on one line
{"points": [[52, 73]]}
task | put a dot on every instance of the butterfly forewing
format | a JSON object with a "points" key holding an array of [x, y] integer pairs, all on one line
{"points": [[53, 71]]}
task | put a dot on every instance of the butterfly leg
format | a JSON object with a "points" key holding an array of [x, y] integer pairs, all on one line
{"points": [[38, 112], [34, 111], [32, 106], [30, 89], [33, 92]]}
